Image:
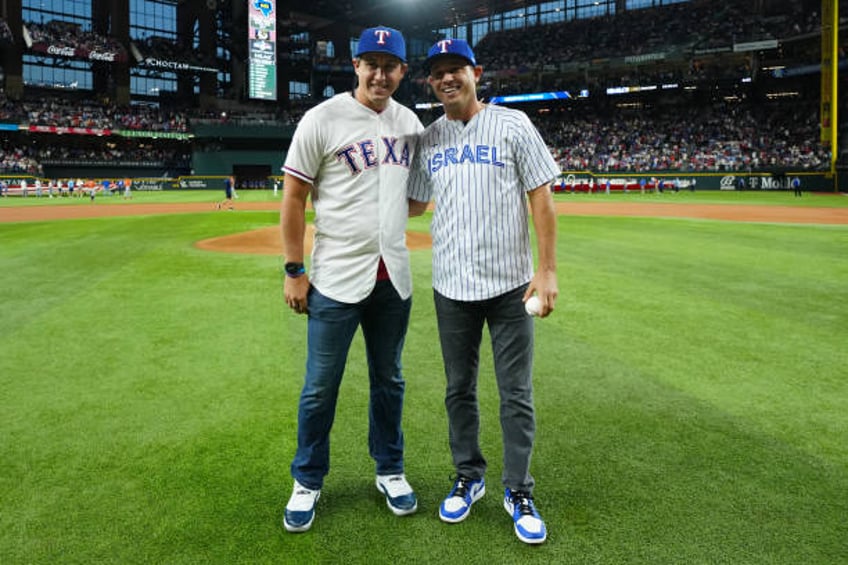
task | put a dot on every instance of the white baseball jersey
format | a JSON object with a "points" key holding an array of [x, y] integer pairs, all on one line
{"points": [[358, 163], [478, 175]]}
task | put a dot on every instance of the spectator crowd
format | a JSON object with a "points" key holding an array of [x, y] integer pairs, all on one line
{"points": [[20, 158], [726, 136], [61, 112], [687, 42], [700, 24], [72, 36], [165, 49], [718, 136]]}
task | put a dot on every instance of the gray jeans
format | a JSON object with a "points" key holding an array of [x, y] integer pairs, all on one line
{"points": [[511, 330]]}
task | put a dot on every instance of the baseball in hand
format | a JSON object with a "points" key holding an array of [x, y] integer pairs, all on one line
{"points": [[533, 306]]}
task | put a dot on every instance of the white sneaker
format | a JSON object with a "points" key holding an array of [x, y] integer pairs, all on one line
{"points": [[300, 511], [400, 498], [465, 492], [529, 526]]}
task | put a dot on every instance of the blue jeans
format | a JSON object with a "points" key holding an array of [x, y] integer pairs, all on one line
{"points": [[511, 331], [384, 317]]}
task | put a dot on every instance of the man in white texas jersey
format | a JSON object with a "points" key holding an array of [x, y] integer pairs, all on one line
{"points": [[481, 164], [351, 155]]}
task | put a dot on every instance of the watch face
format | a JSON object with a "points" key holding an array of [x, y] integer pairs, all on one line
{"points": [[294, 268]]}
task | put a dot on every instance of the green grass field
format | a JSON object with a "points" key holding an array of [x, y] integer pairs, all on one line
{"points": [[691, 394]]}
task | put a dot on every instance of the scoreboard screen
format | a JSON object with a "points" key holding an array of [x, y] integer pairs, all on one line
{"points": [[262, 49]]}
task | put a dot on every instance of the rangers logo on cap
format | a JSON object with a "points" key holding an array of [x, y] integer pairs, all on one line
{"points": [[382, 39], [458, 47]]}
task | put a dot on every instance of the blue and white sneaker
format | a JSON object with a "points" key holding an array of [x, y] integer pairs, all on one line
{"points": [[466, 491], [529, 526], [400, 498], [300, 511]]}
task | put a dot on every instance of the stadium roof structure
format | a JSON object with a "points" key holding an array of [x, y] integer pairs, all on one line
{"points": [[408, 15]]}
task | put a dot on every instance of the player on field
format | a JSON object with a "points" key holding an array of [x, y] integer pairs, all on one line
{"points": [[481, 164], [351, 155], [229, 191]]}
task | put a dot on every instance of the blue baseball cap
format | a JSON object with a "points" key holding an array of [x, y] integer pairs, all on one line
{"points": [[458, 47], [382, 39]]}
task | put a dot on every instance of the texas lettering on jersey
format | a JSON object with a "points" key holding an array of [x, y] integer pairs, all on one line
{"points": [[363, 155], [478, 154]]}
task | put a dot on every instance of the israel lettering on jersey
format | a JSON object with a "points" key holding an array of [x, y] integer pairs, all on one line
{"points": [[480, 154], [478, 174]]}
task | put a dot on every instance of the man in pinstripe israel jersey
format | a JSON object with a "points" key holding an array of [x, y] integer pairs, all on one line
{"points": [[351, 155], [481, 164]]}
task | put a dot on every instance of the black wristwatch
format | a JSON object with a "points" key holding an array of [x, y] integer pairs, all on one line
{"points": [[295, 270]]}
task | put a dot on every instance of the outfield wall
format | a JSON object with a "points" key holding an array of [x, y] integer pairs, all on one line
{"points": [[588, 181]]}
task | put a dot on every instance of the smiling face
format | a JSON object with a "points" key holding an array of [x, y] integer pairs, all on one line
{"points": [[454, 82], [379, 76]]}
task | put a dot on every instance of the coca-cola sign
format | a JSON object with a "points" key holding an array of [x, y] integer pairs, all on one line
{"points": [[59, 50], [80, 53], [102, 56]]}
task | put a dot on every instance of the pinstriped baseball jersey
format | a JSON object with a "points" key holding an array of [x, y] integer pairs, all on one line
{"points": [[478, 176], [358, 163]]}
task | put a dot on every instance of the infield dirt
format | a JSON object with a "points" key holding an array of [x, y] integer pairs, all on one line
{"points": [[268, 241]]}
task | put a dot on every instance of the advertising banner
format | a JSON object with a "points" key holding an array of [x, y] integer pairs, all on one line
{"points": [[80, 52]]}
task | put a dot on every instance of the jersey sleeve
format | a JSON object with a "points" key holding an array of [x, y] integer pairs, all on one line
{"points": [[303, 159], [536, 165], [418, 187]]}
